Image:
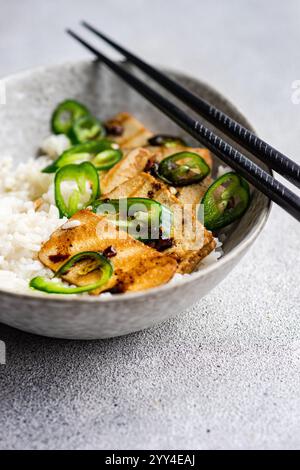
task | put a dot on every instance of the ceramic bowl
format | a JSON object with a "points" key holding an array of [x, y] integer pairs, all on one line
{"points": [[24, 121]]}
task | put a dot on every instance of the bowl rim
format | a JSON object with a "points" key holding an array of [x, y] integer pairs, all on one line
{"points": [[223, 261]]}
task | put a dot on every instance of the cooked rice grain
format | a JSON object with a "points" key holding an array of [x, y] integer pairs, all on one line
{"points": [[22, 229]]}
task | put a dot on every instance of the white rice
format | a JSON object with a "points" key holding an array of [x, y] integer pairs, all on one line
{"points": [[55, 145], [23, 229]]}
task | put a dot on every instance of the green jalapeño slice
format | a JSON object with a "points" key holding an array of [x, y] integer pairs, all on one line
{"points": [[183, 169], [87, 264], [87, 128], [65, 114], [107, 159], [103, 154], [76, 187], [163, 140], [225, 201]]}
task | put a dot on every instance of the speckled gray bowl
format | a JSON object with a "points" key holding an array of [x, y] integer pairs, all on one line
{"points": [[24, 121]]}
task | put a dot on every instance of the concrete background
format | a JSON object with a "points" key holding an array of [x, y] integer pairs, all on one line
{"points": [[224, 375]]}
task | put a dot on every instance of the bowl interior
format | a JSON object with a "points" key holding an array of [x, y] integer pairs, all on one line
{"points": [[31, 97]]}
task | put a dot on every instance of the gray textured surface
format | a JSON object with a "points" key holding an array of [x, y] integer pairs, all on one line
{"points": [[234, 371]]}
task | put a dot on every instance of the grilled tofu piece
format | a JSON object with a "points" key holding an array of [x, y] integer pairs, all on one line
{"points": [[189, 260], [134, 132], [136, 266], [193, 193], [144, 185], [135, 162], [191, 241], [131, 165], [136, 135]]}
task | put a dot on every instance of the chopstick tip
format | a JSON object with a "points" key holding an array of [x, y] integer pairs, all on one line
{"points": [[70, 32], [86, 25]]}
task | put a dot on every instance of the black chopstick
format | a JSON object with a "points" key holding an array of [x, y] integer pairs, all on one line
{"points": [[232, 157], [272, 157]]}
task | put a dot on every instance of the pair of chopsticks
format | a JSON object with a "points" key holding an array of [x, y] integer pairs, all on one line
{"points": [[253, 173]]}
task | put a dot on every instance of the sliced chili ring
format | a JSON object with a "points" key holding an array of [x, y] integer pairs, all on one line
{"points": [[87, 128], [99, 262], [225, 201], [183, 169], [65, 114], [163, 140], [106, 159], [83, 153], [152, 219], [86, 178]]}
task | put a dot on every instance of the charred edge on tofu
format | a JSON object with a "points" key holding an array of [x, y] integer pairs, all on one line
{"points": [[58, 258], [161, 244], [114, 128], [151, 167], [119, 288], [110, 252]]}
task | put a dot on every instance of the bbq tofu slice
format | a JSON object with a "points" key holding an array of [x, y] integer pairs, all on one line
{"points": [[191, 242], [137, 267], [132, 132], [131, 165], [144, 185], [193, 193], [135, 134], [135, 161]]}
